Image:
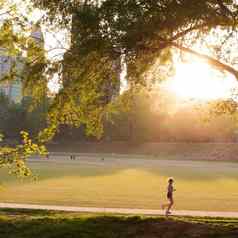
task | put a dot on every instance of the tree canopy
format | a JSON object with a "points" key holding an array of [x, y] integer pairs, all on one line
{"points": [[145, 33]]}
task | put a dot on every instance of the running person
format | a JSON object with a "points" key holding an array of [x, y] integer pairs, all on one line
{"points": [[170, 191]]}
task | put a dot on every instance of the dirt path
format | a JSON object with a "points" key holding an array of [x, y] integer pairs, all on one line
{"points": [[118, 210]]}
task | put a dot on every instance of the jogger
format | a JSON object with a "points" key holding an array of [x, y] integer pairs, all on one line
{"points": [[170, 190]]}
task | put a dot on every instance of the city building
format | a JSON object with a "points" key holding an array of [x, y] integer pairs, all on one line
{"points": [[13, 88]]}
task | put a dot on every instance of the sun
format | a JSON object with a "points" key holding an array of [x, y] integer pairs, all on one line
{"points": [[201, 82]]}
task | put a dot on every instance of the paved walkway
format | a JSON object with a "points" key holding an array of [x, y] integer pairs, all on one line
{"points": [[119, 210]]}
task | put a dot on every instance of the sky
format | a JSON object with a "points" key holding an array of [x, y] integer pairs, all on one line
{"points": [[197, 80]]}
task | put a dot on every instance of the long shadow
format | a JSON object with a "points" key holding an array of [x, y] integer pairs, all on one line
{"points": [[194, 174], [51, 170], [61, 225]]}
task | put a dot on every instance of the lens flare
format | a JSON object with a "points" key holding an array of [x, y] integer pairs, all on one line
{"points": [[199, 81]]}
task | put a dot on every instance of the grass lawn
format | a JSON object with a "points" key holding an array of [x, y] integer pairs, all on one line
{"points": [[184, 151], [49, 224], [137, 183]]}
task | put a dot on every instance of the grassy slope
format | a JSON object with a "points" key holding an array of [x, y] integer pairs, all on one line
{"points": [[200, 186], [48, 224]]}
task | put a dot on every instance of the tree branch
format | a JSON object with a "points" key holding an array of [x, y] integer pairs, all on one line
{"points": [[5, 13], [190, 29], [224, 9], [7, 10], [183, 33], [216, 63]]}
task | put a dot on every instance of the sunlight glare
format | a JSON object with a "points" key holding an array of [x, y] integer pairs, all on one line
{"points": [[199, 81]]}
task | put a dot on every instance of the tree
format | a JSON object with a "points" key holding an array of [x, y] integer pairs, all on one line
{"points": [[14, 43], [141, 31]]}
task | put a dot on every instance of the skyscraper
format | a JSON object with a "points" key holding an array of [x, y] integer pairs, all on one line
{"points": [[13, 88]]}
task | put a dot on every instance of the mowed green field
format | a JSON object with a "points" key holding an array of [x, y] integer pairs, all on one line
{"points": [[125, 182]]}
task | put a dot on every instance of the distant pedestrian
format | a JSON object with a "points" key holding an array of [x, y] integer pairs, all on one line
{"points": [[72, 157], [170, 197]]}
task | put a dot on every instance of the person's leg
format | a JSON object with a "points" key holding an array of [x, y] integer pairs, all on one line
{"points": [[165, 205], [171, 203]]}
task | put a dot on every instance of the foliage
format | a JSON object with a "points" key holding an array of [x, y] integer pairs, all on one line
{"points": [[15, 158], [14, 43], [141, 32], [34, 117], [155, 116], [15, 117], [224, 107]]}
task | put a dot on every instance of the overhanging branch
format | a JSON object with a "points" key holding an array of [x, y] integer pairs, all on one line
{"points": [[188, 30], [213, 62]]}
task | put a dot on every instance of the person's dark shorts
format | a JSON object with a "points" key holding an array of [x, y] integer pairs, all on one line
{"points": [[169, 195]]}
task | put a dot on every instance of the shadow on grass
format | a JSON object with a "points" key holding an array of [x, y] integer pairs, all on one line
{"points": [[49, 224], [188, 171], [28, 212]]}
